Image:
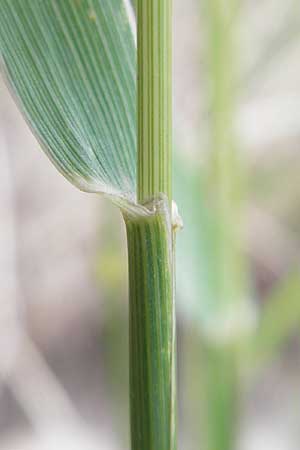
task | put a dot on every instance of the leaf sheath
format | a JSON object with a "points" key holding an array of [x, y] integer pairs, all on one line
{"points": [[152, 332]]}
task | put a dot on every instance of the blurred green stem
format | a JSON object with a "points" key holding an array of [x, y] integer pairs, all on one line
{"points": [[226, 177], [151, 241], [225, 191]]}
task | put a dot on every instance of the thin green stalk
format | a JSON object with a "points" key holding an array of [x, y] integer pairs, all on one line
{"points": [[151, 241], [154, 98]]}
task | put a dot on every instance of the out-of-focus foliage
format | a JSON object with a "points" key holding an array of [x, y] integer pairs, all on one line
{"points": [[280, 317]]}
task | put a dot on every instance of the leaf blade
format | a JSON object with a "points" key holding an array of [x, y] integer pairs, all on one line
{"points": [[71, 65]]}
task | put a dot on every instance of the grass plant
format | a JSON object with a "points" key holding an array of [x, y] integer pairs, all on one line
{"points": [[72, 68]]}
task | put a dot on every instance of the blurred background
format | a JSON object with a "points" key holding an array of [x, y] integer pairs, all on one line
{"points": [[63, 268]]}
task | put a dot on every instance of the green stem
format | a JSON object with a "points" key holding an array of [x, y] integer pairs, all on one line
{"points": [[154, 98], [151, 241], [152, 331]]}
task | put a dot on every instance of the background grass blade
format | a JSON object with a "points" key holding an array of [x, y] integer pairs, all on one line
{"points": [[72, 68], [280, 318]]}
